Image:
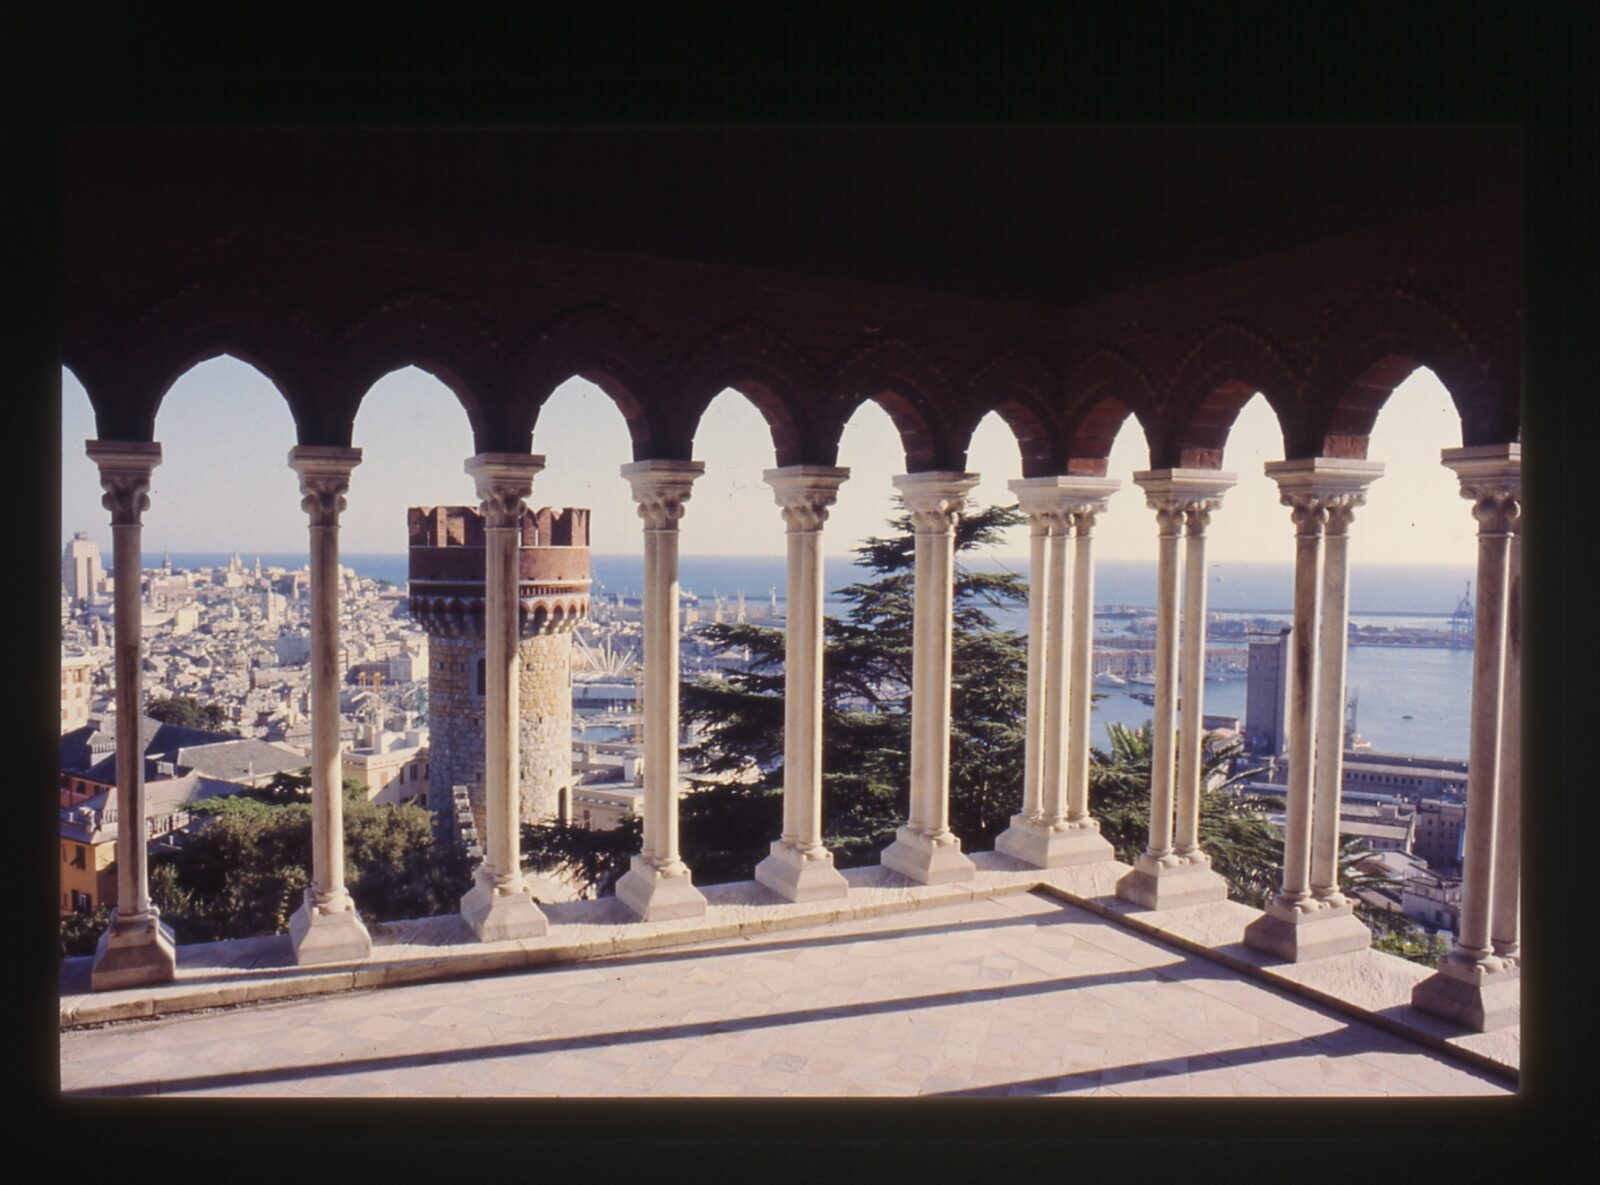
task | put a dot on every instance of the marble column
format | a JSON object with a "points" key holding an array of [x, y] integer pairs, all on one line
{"points": [[800, 868], [1300, 923], [657, 885], [1476, 984], [1087, 841], [1162, 876], [137, 948], [326, 928], [1506, 928], [925, 849], [500, 904], [1191, 684], [1047, 834]]}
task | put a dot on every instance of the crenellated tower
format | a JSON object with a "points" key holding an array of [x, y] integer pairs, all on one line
{"points": [[447, 600]]}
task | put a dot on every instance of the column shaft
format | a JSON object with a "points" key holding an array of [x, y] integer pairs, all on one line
{"points": [[1052, 798], [1507, 925], [1038, 617], [327, 798], [1082, 676], [1165, 719], [1483, 763], [661, 707], [935, 604], [802, 691], [1193, 686], [1302, 703], [133, 885], [501, 701], [1330, 709]]}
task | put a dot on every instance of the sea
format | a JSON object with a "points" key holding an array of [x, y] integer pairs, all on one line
{"points": [[1408, 699]]}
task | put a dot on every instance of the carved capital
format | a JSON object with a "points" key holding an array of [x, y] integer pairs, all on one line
{"points": [[1308, 512], [125, 476], [935, 500], [805, 492], [1197, 515], [324, 480], [661, 488], [1169, 518], [503, 482], [1055, 504], [1498, 510], [1322, 493]]}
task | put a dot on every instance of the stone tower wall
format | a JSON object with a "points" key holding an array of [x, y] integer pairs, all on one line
{"points": [[545, 708], [455, 725]]}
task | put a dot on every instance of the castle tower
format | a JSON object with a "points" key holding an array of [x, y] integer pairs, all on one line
{"points": [[446, 599]]}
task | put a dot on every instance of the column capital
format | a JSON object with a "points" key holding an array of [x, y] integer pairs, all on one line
{"points": [[1323, 492], [1063, 497], [935, 498], [1491, 478], [504, 481], [805, 492], [661, 488], [125, 467], [324, 478], [1183, 490]]}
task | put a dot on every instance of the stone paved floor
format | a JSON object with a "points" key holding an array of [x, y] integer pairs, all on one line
{"points": [[1018, 995]]}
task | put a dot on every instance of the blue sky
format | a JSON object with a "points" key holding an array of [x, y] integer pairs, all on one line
{"points": [[224, 482]]}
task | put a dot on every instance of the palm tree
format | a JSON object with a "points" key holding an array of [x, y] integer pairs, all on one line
{"points": [[1245, 849]]}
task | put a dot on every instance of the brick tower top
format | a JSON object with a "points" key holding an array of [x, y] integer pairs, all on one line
{"points": [[446, 569]]}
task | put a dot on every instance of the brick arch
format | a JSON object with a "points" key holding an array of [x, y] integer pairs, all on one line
{"points": [[604, 346], [762, 364], [130, 370], [185, 354], [1221, 372], [900, 379], [1018, 386], [1376, 343], [432, 333], [1101, 392]]}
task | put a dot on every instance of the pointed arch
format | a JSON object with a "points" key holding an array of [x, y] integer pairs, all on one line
{"points": [[762, 364], [1101, 392], [1377, 341], [425, 329], [901, 379], [1221, 372], [606, 347], [1018, 386], [204, 317]]}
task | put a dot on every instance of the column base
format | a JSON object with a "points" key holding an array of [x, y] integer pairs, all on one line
{"points": [[496, 916], [337, 937], [1476, 996], [659, 897], [794, 876], [1171, 883], [1044, 846], [137, 952], [1316, 930], [917, 856]]}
